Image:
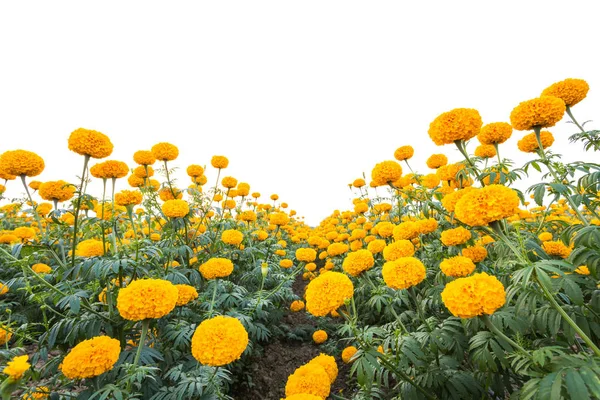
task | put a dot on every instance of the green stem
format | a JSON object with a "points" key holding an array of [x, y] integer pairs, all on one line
{"points": [[570, 114], [145, 325], [488, 322], [34, 207], [77, 208], [214, 296]]}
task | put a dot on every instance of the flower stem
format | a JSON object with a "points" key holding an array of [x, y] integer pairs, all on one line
{"points": [[490, 325], [145, 325], [570, 114], [77, 208]]}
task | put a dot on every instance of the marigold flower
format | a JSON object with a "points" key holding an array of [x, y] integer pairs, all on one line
{"points": [[186, 293], [485, 151], [22, 163], [194, 170], [303, 396], [319, 336], [495, 133], [456, 236], [91, 358], [327, 293], [457, 266], [216, 268], [89, 248], [361, 208], [399, 248], [457, 124], [376, 246], [404, 153], [219, 341], [5, 334], [286, 263], [309, 379], [15, 368], [437, 160], [430, 181], [556, 248], [475, 295], [479, 207], [306, 254], [109, 169], [41, 268], [91, 143], [135, 181], [403, 272], [165, 151], [147, 298], [232, 236], [542, 112], [128, 198], [336, 249], [166, 193], [297, 305], [529, 143], [40, 393], [8, 238], [545, 236], [358, 183], [328, 363], [279, 218], [475, 253], [219, 162], [357, 262], [56, 191], [348, 353], [406, 230], [175, 208], [24, 233], [386, 172], [571, 91], [229, 182], [425, 226], [582, 270]]}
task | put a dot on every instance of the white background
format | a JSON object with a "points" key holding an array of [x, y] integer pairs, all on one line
{"points": [[302, 97]]}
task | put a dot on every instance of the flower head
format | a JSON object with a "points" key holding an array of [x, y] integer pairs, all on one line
{"points": [[456, 236], [571, 91], [219, 341], [404, 153], [15, 368], [327, 293], [216, 268], [437, 160], [475, 295], [306, 254], [542, 112], [386, 172], [403, 272], [91, 143], [219, 162], [144, 157], [165, 151], [310, 378], [495, 133], [457, 266], [529, 143], [479, 207], [176, 208], [319, 336], [91, 358], [22, 163], [56, 191], [128, 197], [232, 236], [147, 298], [348, 353], [89, 248], [457, 124], [357, 262], [186, 293]]}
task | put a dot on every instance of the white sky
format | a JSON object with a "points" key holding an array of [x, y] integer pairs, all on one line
{"points": [[302, 96]]}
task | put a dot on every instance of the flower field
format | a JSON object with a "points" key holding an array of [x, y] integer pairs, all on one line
{"points": [[459, 281]]}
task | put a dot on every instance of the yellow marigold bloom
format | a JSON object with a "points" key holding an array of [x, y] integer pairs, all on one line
{"points": [[216, 268], [56, 191], [91, 143], [219, 341], [336, 249], [449, 201], [144, 157], [41, 268], [348, 353], [166, 193], [135, 181], [319, 336], [219, 162], [128, 198], [274, 197], [15, 368], [457, 266], [5, 334], [175, 208], [228, 204], [448, 172], [248, 216], [398, 249], [485, 151], [327, 293], [328, 363], [404, 153], [495, 133], [232, 236], [24, 233], [110, 169], [430, 181], [143, 171], [8, 238], [545, 236], [22, 163], [306, 254], [297, 305], [229, 182], [165, 151], [556, 248], [403, 272], [243, 189], [357, 262], [361, 208], [286, 263], [406, 230], [40, 393], [186, 293], [425, 226], [456, 236], [475, 295], [385, 229], [457, 124], [542, 112], [89, 248], [582, 270], [376, 246], [475, 253], [437, 160], [386, 172], [309, 379], [194, 170], [310, 267], [479, 207], [105, 210], [147, 298], [303, 396], [91, 357], [260, 235], [571, 91], [35, 185], [358, 183], [279, 218], [529, 143]]}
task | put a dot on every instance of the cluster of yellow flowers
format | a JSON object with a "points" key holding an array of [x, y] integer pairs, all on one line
{"points": [[312, 379]]}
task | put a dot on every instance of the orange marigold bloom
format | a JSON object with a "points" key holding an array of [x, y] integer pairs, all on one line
{"points": [[219, 341], [147, 298], [306, 254], [571, 91], [456, 236], [403, 272], [457, 124], [91, 358], [229, 182], [219, 162], [404, 153], [286, 263], [425, 226], [310, 378], [216, 268], [297, 305], [185, 294], [89, 248], [545, 236], [406, 230], [449, 201], [357, 262], [542, 112], [479, 207], [319, 336], [5, 335], [22, 163], [475, 295], [358, 183], [529, 143], [16, 368], [556, 248], [41, 268], [485, 151], [128, 197], [56, 191], [475, 253], [327, 293], [135, 181], [279, 218], [109, 169], [144, 157], [143, 171], [457, 266], [348, 353], [167, 194], [328, 363], [91, 143], [232, 236], [437, 160], [430, 181], [399, 248], [175, 208], [194, 171], [495, 133], [165, 151], [582, 270], [386, 172]]}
